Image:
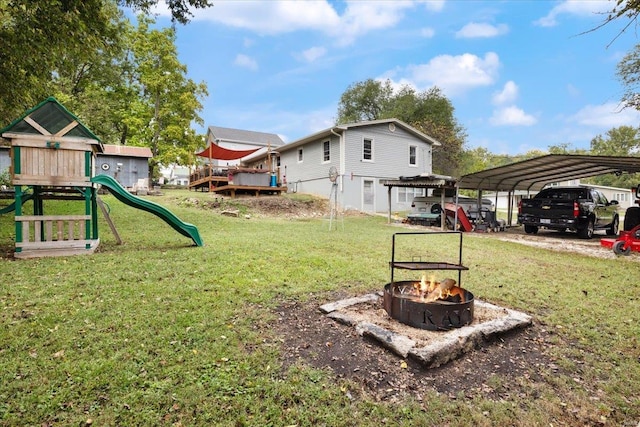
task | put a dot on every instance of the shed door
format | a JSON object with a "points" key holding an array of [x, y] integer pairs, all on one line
{"points": [[368, 196]]}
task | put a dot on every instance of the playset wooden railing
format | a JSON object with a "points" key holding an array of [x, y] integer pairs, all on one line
{"points": [[53, 231]]}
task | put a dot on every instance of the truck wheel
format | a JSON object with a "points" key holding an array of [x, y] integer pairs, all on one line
{"points": [[618, 248], [587, 232], [631, 218], [530, 229], [613, 230]]}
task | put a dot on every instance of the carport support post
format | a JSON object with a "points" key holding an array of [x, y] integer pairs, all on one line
{"points": [[509, 207], [443, 211], [389, 187]]}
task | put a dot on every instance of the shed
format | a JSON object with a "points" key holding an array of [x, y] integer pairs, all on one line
{"points": [[126, 164]]}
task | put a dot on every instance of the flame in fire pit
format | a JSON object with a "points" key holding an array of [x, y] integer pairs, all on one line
{"points": [[431, 290], [429, 304]]}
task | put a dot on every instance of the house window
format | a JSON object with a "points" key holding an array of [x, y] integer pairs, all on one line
{"points": [[326, 151], [406, 194], [367, 149], [413, 155], [621, 197], [300, 157]]}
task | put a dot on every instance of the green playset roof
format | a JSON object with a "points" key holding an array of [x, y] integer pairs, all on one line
{"points": [[53, 117]]}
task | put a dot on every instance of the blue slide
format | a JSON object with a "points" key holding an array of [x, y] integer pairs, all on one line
{"points": [[121, 193]]}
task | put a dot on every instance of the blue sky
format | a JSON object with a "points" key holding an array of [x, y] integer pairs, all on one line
{"points": [[521, 75]]}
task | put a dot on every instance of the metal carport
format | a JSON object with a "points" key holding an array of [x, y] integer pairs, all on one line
{"points": [[534, 174]]}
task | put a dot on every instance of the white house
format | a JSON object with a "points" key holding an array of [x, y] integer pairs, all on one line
{"points": [[362, 154]]}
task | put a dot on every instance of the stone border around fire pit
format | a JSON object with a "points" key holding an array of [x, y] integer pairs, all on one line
{"points": [[437, 348]]}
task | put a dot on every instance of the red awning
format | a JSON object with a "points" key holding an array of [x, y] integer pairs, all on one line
{"points": [[216, 152]]}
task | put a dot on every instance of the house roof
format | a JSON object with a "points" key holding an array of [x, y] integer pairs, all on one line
{"points": [[127, 151], [245, 136], [341, 128], [49, 118], [534, 174]]}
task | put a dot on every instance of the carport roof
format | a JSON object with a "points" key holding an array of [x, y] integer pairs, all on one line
{"points": [[533, 174]]}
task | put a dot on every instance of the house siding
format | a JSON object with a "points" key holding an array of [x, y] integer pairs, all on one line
{"points": [[131, 169], [390, 160], [312, 174], [5, 159]]}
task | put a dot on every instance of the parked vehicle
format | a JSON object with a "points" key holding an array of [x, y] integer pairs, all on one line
{"points": [[422, 204], [578, 209], [426, 210]]}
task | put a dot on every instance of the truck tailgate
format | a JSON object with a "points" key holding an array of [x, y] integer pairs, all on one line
{"points": [[548, 208]]}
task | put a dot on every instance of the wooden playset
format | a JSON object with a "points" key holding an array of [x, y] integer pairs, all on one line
{"points": [[53, 157]]}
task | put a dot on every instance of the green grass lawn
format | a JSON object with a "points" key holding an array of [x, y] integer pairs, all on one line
{"points": [[159, 332]]}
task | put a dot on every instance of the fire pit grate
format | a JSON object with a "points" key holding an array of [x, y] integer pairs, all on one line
{"points": [[428, 304]]}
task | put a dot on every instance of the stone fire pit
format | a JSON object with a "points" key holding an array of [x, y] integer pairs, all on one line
{"points": [[431, 348]]}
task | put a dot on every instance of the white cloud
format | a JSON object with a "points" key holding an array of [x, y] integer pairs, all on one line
{"points": [[362, 17], [245, 61], [432, 5], [592, 8], [286, 16], [477, 30], [512, 116], [270, 17], [609, 115], [452, 74], [507, 95], [311, 54]]}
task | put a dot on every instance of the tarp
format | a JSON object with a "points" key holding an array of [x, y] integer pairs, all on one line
{"points": [[216, 152]]}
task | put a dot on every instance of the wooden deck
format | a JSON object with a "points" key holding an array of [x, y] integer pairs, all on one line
{"points": [[216, 180], [207, 183], [233, 190]]}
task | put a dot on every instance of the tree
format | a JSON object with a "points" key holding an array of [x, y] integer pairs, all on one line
{"points": [[134, 91], [168, 102], [628, 72], [38, 36], [179, 8], [99, 87], [620, 141], [364, 101], [430, 112], [629, 9]]}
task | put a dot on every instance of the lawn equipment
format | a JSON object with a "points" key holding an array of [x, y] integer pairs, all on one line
{"points": [[629, 238]]}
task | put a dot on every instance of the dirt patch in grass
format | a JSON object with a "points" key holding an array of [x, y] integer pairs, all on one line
{"points": [[264, 206], [311, 338]]}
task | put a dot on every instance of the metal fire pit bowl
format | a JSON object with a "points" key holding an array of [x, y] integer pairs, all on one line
{"points": [[435, 316]]}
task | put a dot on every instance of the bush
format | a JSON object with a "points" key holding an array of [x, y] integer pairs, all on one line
{"points": [[5, 178]]}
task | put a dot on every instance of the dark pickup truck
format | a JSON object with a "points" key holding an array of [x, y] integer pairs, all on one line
{"points": [[579, 209]]}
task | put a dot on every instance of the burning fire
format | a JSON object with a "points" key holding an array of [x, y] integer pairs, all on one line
{"points": [[431, 290]]}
